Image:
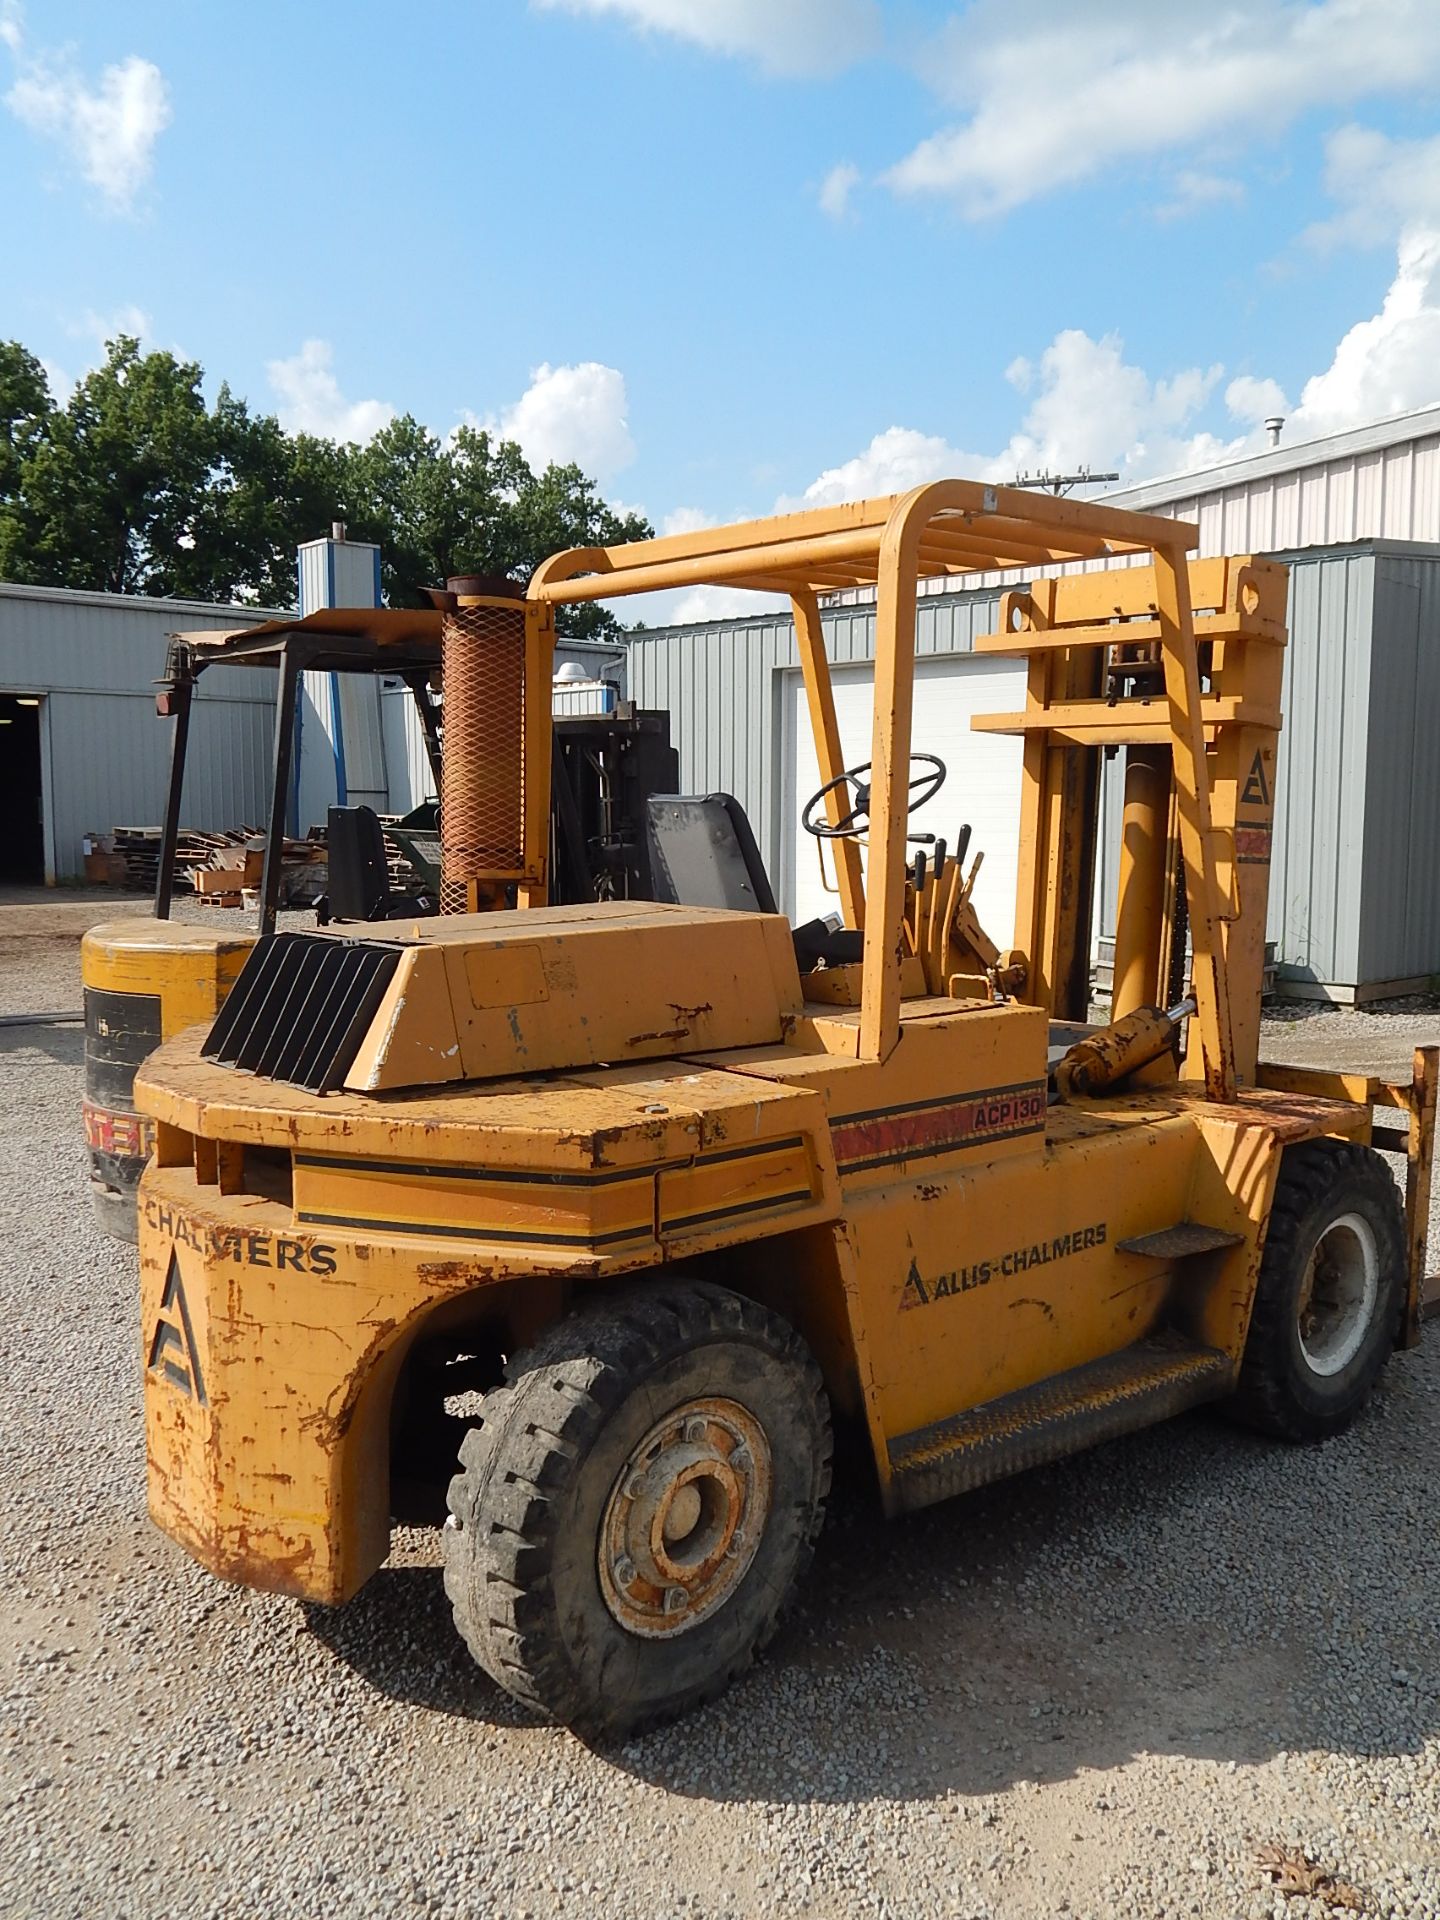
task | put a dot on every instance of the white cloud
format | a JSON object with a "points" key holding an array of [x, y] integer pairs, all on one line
{"points": [[1086, 405], [1199, 193], [1381, 185], [96, 331], [1254, 401], [1089, 406], [895, 460], [686, 520], [785, 36], [101, 327], [61, 383], [108, 130], [1051, 94], [575, 414], [836, 188], [1389, 363], [705, 604], [310, 400]]}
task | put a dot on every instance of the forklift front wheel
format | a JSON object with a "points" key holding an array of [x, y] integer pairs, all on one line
{"points": [[1328, 1303], [637, 1504]]}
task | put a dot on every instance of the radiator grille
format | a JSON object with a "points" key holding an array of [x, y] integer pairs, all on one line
{"points": [[301, 1007]]}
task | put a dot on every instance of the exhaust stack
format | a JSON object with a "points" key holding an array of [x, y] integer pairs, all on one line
{"points": [[483, 769]]}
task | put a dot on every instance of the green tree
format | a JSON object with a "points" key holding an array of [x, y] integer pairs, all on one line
{"points": [[472, 504], [267, 492], [136, 485], [117, 484], [26, 413], [562, 508]]}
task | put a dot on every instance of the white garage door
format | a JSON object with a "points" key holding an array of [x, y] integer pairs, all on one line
{"points": [[982, 787]]}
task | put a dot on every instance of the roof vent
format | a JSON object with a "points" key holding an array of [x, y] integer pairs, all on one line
{"points": [[1272, 428]]}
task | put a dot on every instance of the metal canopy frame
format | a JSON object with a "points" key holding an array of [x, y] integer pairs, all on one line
{"points": [[402, 642], [948, 528]]}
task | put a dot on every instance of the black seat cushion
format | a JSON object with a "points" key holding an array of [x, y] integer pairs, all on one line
{"points": [[703, 853]]}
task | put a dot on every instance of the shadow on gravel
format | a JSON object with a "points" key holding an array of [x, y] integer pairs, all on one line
{"points": [[398, 1634], [1192, 1591], [63, 1044]]}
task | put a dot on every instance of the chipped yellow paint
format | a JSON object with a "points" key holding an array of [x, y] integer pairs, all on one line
{"points": [[483, 996]]}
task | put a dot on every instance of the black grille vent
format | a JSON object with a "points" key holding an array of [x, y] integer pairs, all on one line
{"points": [[301, 1007]]}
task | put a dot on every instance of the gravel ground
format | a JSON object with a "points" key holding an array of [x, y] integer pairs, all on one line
{"points": [[1095, 1690]]}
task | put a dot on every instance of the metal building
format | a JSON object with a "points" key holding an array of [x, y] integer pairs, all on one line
{"points": [[1355, 885], [1379, 482], [81, 749], [1355, 878]]}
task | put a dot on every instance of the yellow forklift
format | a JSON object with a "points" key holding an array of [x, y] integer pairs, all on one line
{"points": [[148, 978], [633, 1200]]}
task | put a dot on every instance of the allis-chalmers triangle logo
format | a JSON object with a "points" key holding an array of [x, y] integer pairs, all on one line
{"points": [[172, 1346], [1256, 791]]}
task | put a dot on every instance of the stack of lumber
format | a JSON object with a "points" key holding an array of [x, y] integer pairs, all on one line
{"points": [[136, 854], [221, 867], [231, 873]]}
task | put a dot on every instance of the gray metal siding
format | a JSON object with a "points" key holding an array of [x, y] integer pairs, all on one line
{"points": [[725, 688], [1355, 880], [1400, 926], [1316, 868], [109, 764], [105, 753], [339, 573], [1355, 874]]}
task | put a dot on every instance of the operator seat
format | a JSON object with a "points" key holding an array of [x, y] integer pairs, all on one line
{"points": [[359, 887], [703, 853]]}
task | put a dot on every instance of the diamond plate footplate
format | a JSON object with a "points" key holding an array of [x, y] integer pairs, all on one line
{"points": [[1099, 1401]]}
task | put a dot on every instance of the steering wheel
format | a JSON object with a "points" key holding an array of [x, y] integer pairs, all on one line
{"points": [[856, 823]]}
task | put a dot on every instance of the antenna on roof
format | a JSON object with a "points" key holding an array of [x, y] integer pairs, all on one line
{"points": [[1058, 483]]}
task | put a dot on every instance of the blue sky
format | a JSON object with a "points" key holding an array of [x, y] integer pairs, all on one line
{"points": [[735, 253]]}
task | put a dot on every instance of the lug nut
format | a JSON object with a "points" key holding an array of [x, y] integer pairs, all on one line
{"points": [[676, 1599], [624, 1573], [696, 1432]]}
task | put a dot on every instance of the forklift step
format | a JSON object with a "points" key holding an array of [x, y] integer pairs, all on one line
{"points": [[1180, 1242], [1099, 1401]]}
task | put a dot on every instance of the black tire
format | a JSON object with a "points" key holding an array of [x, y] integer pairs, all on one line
{"points": [[1307, 1392], [547, 1487]]}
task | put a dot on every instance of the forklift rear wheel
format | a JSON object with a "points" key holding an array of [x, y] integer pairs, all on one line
{"points": [[637, 1504], [1328, 1304]]}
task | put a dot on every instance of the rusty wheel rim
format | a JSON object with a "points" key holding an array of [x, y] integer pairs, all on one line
{"points": [[685, 1518]]}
